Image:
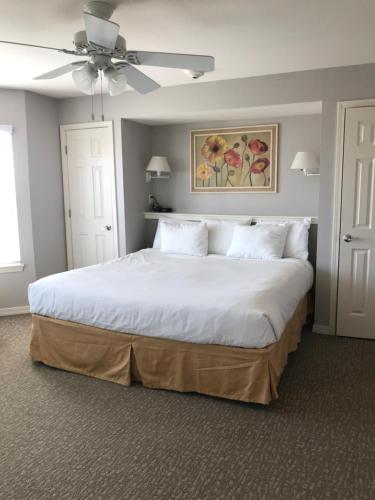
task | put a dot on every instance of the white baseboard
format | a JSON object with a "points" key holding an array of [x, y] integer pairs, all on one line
{"points": [[322, 329], [13, 311]]}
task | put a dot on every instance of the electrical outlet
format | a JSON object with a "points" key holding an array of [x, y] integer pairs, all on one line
{"points": [[150, 198]]}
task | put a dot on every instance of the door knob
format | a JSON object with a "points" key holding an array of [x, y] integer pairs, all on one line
{"points": [[347, 238], [108, 228]]}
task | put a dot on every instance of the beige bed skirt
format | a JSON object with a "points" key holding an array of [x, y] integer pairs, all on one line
{"points": [[250, 375]]}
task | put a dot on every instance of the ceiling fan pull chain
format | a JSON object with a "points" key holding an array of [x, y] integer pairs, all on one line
{"points": [[92, 102], [101, 93]]}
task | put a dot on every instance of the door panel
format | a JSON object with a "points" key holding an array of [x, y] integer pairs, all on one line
{"points": [[97, 182], [356, 291], [359, 281], [364, 193], [90, 172]]}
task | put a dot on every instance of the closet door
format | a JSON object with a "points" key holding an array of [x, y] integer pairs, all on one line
{"points": [[356, 291], [89, 193]]}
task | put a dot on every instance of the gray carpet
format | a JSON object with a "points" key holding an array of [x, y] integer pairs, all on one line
{"points": [[66, 436]]}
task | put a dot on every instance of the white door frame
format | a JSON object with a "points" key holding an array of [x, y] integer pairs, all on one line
{"points": [[337, 200], [64, 157]]}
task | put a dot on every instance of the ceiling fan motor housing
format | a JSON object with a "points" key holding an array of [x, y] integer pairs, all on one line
{"points": [[101, 62], [80, 40], [81, 43], [100, 9]]}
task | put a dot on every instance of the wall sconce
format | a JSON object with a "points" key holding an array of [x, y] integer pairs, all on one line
{"points": [[307, 162], [158, 168]]}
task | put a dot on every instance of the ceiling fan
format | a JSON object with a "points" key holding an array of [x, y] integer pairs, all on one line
{"points": [[102, 44]]}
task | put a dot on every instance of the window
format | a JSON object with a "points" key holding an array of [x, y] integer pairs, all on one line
{"points": [[9, 237]]}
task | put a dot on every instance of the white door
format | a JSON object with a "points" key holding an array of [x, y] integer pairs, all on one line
{"points": [[356, 291], [89, 193]]}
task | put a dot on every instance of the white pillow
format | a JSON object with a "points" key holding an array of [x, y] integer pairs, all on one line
{"points": [[258, 242], [186, 239], [157, 240], [297, 239], [220, 234]]}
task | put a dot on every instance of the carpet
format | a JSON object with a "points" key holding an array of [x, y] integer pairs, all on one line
{"points": [[66, 436]]}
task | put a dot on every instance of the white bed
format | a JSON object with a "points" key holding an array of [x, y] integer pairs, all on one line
{"points": [[206, 300]]}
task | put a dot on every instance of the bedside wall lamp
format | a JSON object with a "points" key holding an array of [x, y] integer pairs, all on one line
{"points": [[158, 168], [306, 161]]}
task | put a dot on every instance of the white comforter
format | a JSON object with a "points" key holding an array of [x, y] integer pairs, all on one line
{"points": [[208, 300]]}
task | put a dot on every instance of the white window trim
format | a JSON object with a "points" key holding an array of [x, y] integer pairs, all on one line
{"points": [[10, 267], [7, 128], [15, 267]]}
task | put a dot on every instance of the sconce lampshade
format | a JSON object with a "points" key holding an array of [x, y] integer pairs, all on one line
{"points": [[159, 166], [306, 161]]}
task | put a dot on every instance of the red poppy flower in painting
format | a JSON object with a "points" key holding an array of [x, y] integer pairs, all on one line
{"points": [[258, 147], [259, 165], [232, 158]]}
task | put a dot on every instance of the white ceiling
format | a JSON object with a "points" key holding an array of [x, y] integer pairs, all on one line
{"points": [[247, 37], [170, 117]]}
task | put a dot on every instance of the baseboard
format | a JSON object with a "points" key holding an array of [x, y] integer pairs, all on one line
{"points": [[322, 329], [13, 311]]}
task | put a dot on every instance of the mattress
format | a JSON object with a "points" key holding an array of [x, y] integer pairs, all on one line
{"points": [[206, 300]]}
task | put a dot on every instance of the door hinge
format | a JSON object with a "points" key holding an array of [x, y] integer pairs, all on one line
{"points": [[70, 213], [66, 149]]}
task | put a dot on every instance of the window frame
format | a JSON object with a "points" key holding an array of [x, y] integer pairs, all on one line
{"points": [[18, 266]]}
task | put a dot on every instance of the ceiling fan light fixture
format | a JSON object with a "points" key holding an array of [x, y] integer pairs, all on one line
{"points": [[117, 82], [85, 78]]}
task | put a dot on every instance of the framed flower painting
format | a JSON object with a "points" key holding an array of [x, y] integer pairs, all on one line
{"points": [[234, 160]]}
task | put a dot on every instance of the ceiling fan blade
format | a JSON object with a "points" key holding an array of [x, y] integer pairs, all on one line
{"points": [[167, 60], [136, 79], [101, 32], [38, 46], [61, 71]]}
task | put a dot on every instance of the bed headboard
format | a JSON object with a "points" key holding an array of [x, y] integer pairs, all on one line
{"points": [[152, 220]]}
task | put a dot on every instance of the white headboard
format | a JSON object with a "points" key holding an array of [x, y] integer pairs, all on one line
{"points": [[233, 218], [152, 217]]}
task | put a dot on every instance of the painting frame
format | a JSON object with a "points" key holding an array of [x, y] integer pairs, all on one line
{"points": [[270, 153]]}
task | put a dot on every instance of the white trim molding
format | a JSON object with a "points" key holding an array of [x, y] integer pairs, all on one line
{"points": [[15, 267], [7, 128], [337, 188], [14, 311], [322, 329], [233, 218]]}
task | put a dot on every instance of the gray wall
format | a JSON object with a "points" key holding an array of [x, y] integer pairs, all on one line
{"points": [[136, 145], [327, 85], [297, 194], [13, 286], [46, 188], [38, 190]]}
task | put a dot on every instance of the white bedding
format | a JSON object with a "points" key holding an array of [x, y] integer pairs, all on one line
{"points": [[208, 300]]}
